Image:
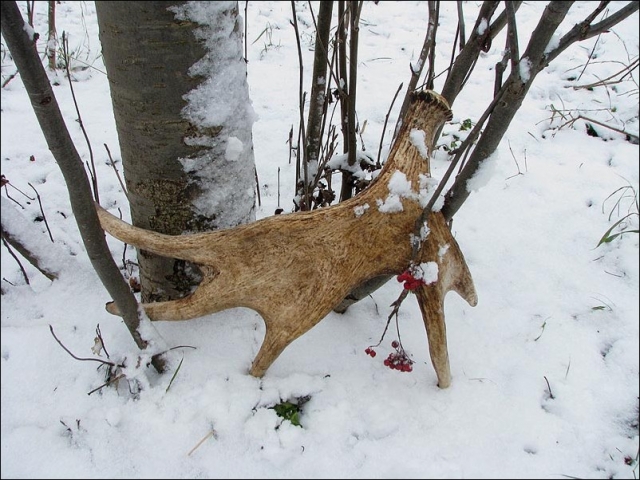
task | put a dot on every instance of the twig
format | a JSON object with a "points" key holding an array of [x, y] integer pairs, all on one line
{"points": [[206, 437], [512, 34], [99, 334], [114, 379], [634, 138], [10, 250], [605, 81], [427, 47], [396, 308], [460, 30], [386, 119], [549, 387], [113, 164], [257, 186], [305, 203], [80, 358], [92, 170], [246, 6], [9, 78], [6, 182], [44, 217]]}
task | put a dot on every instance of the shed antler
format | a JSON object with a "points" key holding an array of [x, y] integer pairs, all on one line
{"points": [[294, 269]]}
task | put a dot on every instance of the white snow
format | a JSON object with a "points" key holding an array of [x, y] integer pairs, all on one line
{"points": [[524, 69], [234, 149], [214, 103], [417, 138], [482, 26], [545, 369], [399, 188], [484, 174], [360, 210], [428, 272]]}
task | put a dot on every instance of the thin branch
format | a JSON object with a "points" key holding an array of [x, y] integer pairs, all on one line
{"points": [[386, 119], [634, 138], [512, 35], [109, 382], [460, 30], [9, 78], [549, 387], [301, 97], [396, 308], [427, 47], [113, 165], [99, 335], [354, 21], [584, 30], [44, 217], [207, 437], [81, 358], [92, 170], [608, 81], [246, 6], [10, 250]]}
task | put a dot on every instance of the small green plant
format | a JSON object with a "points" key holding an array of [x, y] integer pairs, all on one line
{"points": [[466, 124], [291, 410], [457, 139], [626, 223]]}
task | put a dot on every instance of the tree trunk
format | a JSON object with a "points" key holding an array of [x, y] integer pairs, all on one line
{"points": [[187, 155]]}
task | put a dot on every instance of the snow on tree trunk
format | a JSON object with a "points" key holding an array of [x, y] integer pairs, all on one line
{"points": [[184, 119]]}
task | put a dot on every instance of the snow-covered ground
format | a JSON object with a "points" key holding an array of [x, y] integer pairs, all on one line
{"points": [[545, 367]]}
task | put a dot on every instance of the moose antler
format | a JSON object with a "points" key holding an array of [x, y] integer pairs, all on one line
{"points": [[294, 269]]}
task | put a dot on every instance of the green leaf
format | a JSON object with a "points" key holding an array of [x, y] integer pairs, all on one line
{"points": [[288, 411], [174, 375], [607, 237]]}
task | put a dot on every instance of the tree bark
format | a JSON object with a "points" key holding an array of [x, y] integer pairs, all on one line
{"points": [[317, 101], [177, 174]]}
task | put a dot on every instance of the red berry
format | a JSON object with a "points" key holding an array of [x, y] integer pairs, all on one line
{"points": [[395, 344], [372, 353], [404, 276]]}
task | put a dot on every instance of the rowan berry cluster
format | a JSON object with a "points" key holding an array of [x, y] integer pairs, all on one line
{"points": [[398, 360]]}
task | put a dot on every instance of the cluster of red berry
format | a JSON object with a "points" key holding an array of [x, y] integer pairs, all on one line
{"points": [[410, 282], [397, 360]]}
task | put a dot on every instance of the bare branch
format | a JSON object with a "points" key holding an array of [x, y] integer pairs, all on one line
{"points": [[44, 217], [512, 34], [584, 30], [427, 48], [113, 165], [67, 61], [386, 119], [99, 360], [460, 31]]}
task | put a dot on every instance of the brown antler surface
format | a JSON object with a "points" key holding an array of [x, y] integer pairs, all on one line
{"points": [[294, 269]]}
